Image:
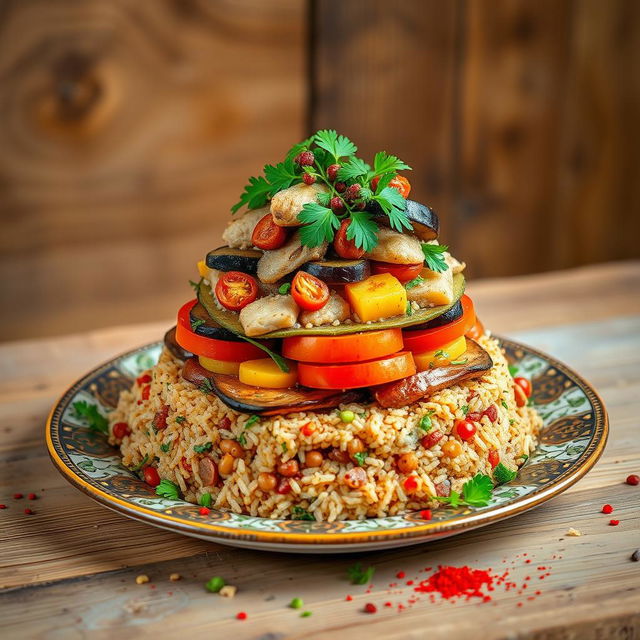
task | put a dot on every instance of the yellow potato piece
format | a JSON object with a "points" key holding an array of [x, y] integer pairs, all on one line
{"points": [[219, 366], [380, 296], [203, 270], [265, 373], [438, 357]]}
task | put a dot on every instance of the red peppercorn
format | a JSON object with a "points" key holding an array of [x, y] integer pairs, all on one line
{"points": [[633, 480], [431, 439], [370, 607], [332, 171], [607, 508], [28, 512], [3, 506], [400, 575], [425, 514], [241, 615], [341, 187], [145, 379], [307, 178], [336, 204], [494, 458], [146, 391], [352, 192], [120, 430], [465, 429], [491, 413], [151, 477], [17, 496], [204, 511], [614, 523], [32, 496], [388, 604], [349, 598], [305, 159]]}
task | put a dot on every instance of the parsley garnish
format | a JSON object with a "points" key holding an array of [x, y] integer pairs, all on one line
{"points": [[284, 447], [475, 493], [433, 256], [505, 405], [360, 457], [205, 500], [251, 421], [394, 205], [459, 361], [384, 163], [277, 358], [425, 423], [168, 489], [409, 309], [511, 421], [198, 322], [502, 474], [202, 448], [180, 419], [141, 463], [524, 456], [206, 386], [513, 370], [320, 224], [195, 285], [283, 289], [242, 439], [338, 146], [465, 409], [358, 575], [94, 419], [298, 513], [413, 283], [165, 447]]}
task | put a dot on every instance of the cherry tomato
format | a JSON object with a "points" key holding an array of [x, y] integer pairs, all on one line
{"points": [[525, 385], [235, 290], [353, 347], [151, 476], [267, 234], [521, 397], [403, 272], [476, 331], [309, 292], [465, 429], [344, 247], [397, 182], [120, 430], [355, 375]]}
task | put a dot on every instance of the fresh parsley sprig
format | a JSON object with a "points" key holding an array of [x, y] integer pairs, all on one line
{"points": [[358, 575], [475, 493], [90, 414], [433, 256]]}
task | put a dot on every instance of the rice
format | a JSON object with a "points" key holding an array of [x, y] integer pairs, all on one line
{"points": [[196, 419]]}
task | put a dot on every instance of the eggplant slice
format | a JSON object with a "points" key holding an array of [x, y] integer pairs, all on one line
{"points": [[424, 219], [338, 271], [174, 347], [204, 325], [228, 259], [229, 319], [424, 383], [266, 402]]}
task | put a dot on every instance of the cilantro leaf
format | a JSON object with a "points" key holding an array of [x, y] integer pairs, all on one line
{"points": [[284, 447], [251, 421], [360, 457], [477, 491], [502, 474], [298, 513], [425, 422], [353, 169], [242, 439], [394, 205], [409, 309], [168, 489], [320, 224], [362, 230], [206, 386], [338, 146], [281, 176], [513, 370], [165, 447], [433, 256], [201, 448], [94, 419], [384, 162], [198, 322], [324, 198], [276, 357], [205, 500], [141, 464], [413, 283], [255, 194], [465, 409], [358, 575], [180, 419]]}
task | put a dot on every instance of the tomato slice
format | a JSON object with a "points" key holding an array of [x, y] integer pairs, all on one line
{"points": [[429, 339], [226, 350], [309, 292], [397, 182], [354, 347], [403, 272], [235, 290], [354, 375], [267, 234], [344, 247]]}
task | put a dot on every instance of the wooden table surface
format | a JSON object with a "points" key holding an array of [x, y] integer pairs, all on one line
{"points": [[68, 570]]}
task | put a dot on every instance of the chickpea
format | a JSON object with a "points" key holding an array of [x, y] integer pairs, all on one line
{"points": [[232, 447], [267, 481], [355, 446], [407, 462], [289, 468], [452, 448], [313, 459], [225, 466]]}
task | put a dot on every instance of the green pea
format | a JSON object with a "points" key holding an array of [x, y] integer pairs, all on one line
{"points": [[305, 614], [296, 603], [347, 416], [215, 584]]}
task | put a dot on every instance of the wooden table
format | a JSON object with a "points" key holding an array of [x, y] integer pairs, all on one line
{"points": [[69, 570]]}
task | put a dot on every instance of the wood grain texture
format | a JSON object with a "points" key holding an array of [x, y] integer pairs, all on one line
{"points": [[76, 580], [127, 130]]}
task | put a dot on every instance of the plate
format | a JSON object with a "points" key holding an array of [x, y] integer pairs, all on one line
{"points": [[573, 438]]}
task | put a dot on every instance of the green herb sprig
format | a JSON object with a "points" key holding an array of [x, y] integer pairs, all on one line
{"points": [[475, 493], [90, 414], [358, 575], [168, 489]]}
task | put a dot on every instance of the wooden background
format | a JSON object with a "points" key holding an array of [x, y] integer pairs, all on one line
{"points": [[128, 128]]}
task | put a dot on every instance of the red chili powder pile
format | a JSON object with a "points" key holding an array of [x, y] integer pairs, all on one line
{"points": [[455, 582]]}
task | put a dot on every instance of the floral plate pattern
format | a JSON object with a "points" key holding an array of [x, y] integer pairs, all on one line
{"points": [[573, 438]]}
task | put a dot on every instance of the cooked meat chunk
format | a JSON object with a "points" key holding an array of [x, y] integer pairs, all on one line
{"points": [[397, 248], [268, 314], [287, 204], [337, 308], [238, 232], [276, 264], [455, 265], [434, 290]]}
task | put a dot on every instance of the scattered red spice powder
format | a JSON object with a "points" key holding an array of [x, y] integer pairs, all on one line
{"points": [[452, 582], [349, 598], [400, 575], [3, 506], [633, 480], [241, 615], [28, 512], [607, 508], [409, 583], [614, 523], [370, 608], [204, 511], [388, 604], [32, 496], [143, 379], [17, 496], [528, 561]]}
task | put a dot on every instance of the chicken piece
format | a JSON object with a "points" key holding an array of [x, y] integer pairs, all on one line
{"points": [[287, 204], [237, 235], [278, 263], [269, 314], [435, 289], [336, 308], [397, 248], [455, 264]]}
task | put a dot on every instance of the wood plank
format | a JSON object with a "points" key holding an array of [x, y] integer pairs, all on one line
{"points": [[128, 131]]}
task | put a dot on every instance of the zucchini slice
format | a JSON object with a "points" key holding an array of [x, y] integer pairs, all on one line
{"points": [[453, 313], [228, 259], [204, 325], [338, 271], [229, 319]]}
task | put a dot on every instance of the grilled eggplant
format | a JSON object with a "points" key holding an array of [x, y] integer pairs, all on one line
{"points": [[423, 219], [171, 344], [452, 314], [338, 271], [204, 325], [229, 259]]}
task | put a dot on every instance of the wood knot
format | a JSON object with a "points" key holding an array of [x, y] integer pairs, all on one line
{"points": [[77, 88]]}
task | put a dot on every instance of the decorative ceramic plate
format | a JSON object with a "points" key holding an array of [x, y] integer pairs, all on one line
{"points": [[573, 437]]}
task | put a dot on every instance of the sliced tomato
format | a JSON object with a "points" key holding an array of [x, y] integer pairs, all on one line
{"points": [[226, 350], [403, 272], [430, 339], [267, 234], [235, 290], [354, 347], [355, 375], [309, 292], [476, 331], [344, 247]]}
